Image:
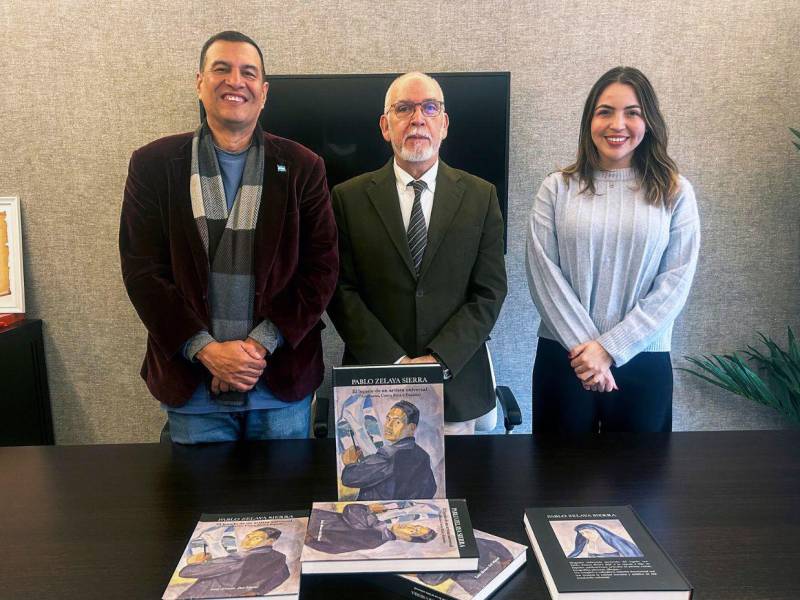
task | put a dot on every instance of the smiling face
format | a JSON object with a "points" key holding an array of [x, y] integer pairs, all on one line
{"points": [[415, 138], [618, 126], [231, 86]]}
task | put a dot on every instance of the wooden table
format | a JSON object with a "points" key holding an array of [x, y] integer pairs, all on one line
{"points": [[111, 521]]}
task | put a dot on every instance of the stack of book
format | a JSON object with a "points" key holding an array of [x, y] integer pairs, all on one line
{"points": [[392, 521], [393, 517], [405, 546], [424, 545], [498, 559]]}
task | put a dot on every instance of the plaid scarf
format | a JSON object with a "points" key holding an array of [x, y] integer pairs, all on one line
{"points": [[228, 239]]}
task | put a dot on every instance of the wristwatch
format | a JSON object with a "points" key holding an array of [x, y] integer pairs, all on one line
{"points": [[445, 371]]}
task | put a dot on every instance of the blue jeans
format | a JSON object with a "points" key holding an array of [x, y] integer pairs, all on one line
{"points": [[274, 423]]}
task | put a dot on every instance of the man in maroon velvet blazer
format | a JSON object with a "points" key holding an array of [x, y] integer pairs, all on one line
{"points": [[259, 384]]}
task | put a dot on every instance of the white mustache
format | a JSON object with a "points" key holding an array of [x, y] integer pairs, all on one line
{"points": [[417, 132]]}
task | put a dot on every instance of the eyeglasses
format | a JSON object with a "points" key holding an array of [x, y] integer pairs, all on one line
{"points": [[403, 109]]}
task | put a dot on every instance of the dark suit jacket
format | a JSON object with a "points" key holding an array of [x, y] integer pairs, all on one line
{"points": [[356, 528], [249, 573], [399, 470], [165, 267], [380, 308]]}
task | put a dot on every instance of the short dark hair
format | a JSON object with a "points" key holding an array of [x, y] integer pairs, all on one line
{"points": [[231, 36], [271, 532], [411, 411]]}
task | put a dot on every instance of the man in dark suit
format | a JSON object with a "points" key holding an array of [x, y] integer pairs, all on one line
{"points": [[357, 528], [228, 251], [255, 570], [422, 274], [401, 469]]}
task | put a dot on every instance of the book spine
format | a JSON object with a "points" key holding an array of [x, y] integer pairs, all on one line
{"points": [[407, 588], [462, 524]]}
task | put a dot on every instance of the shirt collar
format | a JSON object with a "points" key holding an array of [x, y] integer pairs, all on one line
{"points": [[429, 177]]}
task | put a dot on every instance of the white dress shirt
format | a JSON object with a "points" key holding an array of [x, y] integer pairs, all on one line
{"points": [[406, 193]]}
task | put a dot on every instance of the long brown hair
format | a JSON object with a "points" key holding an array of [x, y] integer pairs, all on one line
{"points": [[655, 170]]}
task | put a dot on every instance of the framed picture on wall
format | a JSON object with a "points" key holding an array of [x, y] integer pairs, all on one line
{"points": [[12, 291]]}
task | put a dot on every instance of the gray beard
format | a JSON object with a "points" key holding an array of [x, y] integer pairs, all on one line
{"points": [[418, 156]]}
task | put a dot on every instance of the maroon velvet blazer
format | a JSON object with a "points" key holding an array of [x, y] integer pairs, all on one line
{"points": [[165, 267]]}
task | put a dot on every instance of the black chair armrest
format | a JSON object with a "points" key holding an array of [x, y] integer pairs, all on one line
{"points": [[320, 417], [512, 415], [165, 437]]}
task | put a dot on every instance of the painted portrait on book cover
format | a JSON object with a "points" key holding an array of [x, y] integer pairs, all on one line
{"points": [[496, 554], [390, 442], [602, 538], [237, 559], [380, 530]]}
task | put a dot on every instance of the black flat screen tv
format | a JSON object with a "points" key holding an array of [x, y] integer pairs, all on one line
{"points": [[337, 117]]}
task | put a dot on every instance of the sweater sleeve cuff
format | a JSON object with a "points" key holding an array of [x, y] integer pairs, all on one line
{"points": [[196, 343], [619, 343], [267, 334]]}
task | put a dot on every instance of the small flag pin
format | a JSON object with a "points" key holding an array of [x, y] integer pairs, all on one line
{"points": [[281, 168]]}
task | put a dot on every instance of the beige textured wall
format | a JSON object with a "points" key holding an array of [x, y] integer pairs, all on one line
{"points": [[84, 83]]}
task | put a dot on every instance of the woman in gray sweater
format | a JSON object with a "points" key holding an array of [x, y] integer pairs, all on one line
{"points": [[612, 247]]}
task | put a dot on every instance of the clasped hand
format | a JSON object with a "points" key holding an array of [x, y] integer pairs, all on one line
{"points": [[592, 365], [235, 365], [419, 360]]}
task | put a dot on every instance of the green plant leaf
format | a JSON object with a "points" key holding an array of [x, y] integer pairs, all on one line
{"points": [[780, 390], [794, 348], [711, 380], [713, 374]]}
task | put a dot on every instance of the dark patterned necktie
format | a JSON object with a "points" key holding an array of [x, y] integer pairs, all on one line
{"points": [[417, 231]]}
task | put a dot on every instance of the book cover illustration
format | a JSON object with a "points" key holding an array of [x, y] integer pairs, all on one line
{"points": [[389, 432], [241, 556], [601, 549], [499, 559], [599, 538], [388, 530]]}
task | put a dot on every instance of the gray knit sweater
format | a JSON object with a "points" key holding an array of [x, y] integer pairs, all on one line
{"points": [[611, 267]]}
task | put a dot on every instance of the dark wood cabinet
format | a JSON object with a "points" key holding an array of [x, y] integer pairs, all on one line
{"points": [[25, 417]]}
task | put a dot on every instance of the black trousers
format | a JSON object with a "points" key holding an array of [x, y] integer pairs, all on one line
{"points": [[643, 402]]}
